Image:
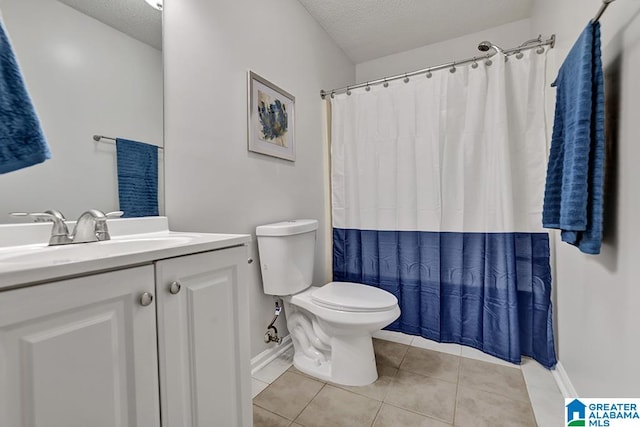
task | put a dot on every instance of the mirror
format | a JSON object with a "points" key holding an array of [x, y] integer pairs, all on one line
{"points": [[92, 67]]}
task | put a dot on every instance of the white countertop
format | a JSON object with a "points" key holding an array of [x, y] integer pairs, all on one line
{"points": [[26, 258]]}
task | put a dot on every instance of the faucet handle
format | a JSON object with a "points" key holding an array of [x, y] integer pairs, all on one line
{"points": [[59, 225], [37, 216], [20, 214], [114, 214], [59, 232], [102, 231], [46, 214]]}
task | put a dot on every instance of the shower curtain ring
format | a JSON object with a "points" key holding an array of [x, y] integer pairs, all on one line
{"points": [[406, 79], [429, 75], [386, 83], [367, 88], [488, 62], [453, 68], [519, 55], [333, 94], [474, 65], [348, 91]]}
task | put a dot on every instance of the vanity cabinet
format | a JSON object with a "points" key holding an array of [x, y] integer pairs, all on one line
{"points": [[80, 352], [97, 351], [203, 330]]}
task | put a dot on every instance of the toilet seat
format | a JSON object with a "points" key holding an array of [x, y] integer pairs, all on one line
{"points": [[353, 297]]}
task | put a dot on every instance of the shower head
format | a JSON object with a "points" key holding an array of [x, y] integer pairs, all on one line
{"points": [[485, 46]]}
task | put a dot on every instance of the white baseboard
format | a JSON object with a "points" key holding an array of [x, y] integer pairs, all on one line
{"points": [[262, 359], [563, 381]]}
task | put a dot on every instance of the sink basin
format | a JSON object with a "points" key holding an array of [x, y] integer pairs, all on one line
{"points": [[26, 259], [63, 254]]}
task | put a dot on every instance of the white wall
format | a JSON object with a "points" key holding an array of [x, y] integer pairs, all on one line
{"points": [[506, 36], [598, 297], [213, 183], [85, 78]]}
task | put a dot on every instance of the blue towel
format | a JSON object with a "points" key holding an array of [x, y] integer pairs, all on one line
{"points": [[22, 141], [137, 178], [573, 196]]}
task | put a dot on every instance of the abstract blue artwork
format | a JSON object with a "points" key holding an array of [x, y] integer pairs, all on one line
{"points": [[271, 119]]}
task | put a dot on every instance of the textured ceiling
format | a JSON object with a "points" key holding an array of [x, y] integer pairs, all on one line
{"points": [[368, 29], [133, 17]]}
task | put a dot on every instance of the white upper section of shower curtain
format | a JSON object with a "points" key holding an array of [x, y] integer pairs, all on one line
{"points": [[459, 152]]}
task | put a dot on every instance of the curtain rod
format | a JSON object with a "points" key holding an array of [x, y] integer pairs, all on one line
{"points": [[603, 7], [99, 138], [529, 44]]}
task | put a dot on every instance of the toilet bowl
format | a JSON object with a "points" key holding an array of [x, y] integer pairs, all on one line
{"points": [[332, 340], [331, 326]]}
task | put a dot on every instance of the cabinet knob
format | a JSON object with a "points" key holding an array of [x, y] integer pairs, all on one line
{"points": [[146, 299], [175, 287]]}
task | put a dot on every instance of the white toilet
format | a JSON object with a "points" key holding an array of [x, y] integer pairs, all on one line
{"points": [[332, 325]]}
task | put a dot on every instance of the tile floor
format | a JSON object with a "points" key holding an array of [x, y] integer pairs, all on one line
{"points": [[421, 383]]}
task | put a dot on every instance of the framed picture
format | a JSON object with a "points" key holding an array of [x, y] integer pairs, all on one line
{"points": [[271, 119]]}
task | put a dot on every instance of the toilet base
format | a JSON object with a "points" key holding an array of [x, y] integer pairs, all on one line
{"points": [[334, 345], [352, 362]]}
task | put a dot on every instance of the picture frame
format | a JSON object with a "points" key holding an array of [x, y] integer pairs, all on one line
{"points": [[270, 119]]}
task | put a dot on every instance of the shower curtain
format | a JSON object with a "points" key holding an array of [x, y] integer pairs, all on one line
{"points": [[437, 190]]}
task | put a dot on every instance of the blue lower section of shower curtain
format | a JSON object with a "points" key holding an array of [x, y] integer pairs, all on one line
{"points": [[491, 291]]}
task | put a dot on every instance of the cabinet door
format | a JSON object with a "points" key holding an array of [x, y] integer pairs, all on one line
{"points": [[80, 352], [204, 340]]}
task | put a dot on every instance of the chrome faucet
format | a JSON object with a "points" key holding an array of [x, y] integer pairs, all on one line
{"points": [[90, 227]]}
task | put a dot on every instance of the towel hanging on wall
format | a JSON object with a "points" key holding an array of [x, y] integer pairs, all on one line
{"points": [[22, 142], [137, 178], [575, 175]]}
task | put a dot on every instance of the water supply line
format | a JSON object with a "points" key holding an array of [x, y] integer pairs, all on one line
{"points": [[272, 332]]}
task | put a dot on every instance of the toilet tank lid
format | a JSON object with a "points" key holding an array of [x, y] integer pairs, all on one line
{"points": [[287, 228]]}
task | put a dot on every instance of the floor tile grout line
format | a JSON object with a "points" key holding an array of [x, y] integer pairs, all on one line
{"points": [[386, 393], [324, 384], [282, 416], [427, 376], [433, 351], [431, 417], [404, 356], [377, 413], [384, 401], [499, 394], [273, 413], [455, 402], [390, 386]]}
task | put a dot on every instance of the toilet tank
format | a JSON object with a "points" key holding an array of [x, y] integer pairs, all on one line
{"points": [[286, 255]]}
